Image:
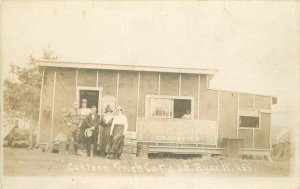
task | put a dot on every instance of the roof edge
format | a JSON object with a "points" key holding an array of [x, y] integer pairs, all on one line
{"points": [[87, 65], [274, 98]]}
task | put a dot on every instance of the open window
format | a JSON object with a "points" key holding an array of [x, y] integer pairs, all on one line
{"points": [[249, 119], [169, 107]]}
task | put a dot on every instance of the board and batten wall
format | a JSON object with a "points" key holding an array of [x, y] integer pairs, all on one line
{"points": [[130, 88], [256, 138]]}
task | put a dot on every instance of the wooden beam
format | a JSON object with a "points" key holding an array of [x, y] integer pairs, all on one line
{"points": [[41, 101], [138, 100], [198, 100], [179, 87], [253, 138], [97, 84], [238, 115], [65, 64], [53, 101], [118, 80], [270, 123], [253, 101], [76, 81], [218, 117], [253, 131], [158, 84]]}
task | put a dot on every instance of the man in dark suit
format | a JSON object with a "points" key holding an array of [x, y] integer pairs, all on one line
{"points": [[91, 130]]}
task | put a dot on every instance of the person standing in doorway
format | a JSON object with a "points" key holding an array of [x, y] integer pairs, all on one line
{"points": [[106, 122], [84, 112], [91, 131], [116, 141], [73, 119]]}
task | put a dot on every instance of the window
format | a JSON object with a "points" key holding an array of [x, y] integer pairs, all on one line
{"points": [[161, 107], [249, 119], [169, 107]]}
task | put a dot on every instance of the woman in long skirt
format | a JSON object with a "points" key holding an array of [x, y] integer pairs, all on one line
{"points": [[116, 141], [105, 123]]}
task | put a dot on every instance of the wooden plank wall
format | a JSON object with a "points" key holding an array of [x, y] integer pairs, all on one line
{"points": [[108, 80], [87, 77], [148, 86], [189, 87], [65, 95], [256, 138], [46, 107], [228, 112], [169, 84], [128, 82]]}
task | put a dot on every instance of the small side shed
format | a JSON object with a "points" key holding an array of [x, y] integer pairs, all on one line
{"points": [[155, 100]]}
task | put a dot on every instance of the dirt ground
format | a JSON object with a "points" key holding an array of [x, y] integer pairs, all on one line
{"points": [[28, 162]]}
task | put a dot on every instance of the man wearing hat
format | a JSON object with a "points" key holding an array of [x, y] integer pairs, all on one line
{"points": [[91, 130], [73, 119], [84, 112]]}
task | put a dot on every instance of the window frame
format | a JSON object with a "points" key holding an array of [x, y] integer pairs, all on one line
{"points": [[148, 105], [259, 118]]}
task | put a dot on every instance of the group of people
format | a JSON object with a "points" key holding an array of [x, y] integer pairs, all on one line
{"points": [[84, 130]]}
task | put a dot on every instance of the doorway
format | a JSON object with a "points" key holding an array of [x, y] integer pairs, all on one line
{"points": [[91, 94]]}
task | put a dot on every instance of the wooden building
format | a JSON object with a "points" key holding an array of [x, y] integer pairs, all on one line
{"points": [[155, 100]]}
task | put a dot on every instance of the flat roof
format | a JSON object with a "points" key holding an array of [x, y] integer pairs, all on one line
{"points": [[70, 64]]}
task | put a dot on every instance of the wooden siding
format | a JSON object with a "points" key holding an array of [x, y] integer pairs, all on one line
{"points": [[208, 109], [228, 115], [246, 100], [45, 129], [262, 102], [128, 83], [246, 134], [189, 87], [149, 82], [169, 84], [177, 130], [65, 94], [108, 81], [262, 136], [203, 82], [148, 86], [87, 77]]}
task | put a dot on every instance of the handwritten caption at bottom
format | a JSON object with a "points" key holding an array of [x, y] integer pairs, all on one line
{"points": [[162, 168]]}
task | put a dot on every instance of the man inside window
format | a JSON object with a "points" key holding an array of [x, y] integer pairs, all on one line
{"points": [[187, 115]]}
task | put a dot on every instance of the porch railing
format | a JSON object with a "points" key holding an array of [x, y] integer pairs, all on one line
{"points": [[177, 130]]}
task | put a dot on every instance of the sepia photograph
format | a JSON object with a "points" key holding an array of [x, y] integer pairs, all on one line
{"points": [[150, 94]]}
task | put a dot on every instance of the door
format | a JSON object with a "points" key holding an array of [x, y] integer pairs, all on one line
{"points": [[91, 94]]}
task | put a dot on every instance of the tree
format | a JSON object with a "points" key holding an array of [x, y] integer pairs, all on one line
{"points": [[23, 93]]}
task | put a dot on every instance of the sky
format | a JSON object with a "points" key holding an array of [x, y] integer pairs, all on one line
{"points": [[254, 45]]}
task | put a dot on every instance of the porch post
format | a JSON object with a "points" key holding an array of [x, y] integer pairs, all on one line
{"points": [[179, 87], [158, 84], [253, 131], [76, 82], [138, 100], [118, 78], [97, 84], [198, 100], [41, 101], [218, 117], [238, 115], [53, 100]]}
